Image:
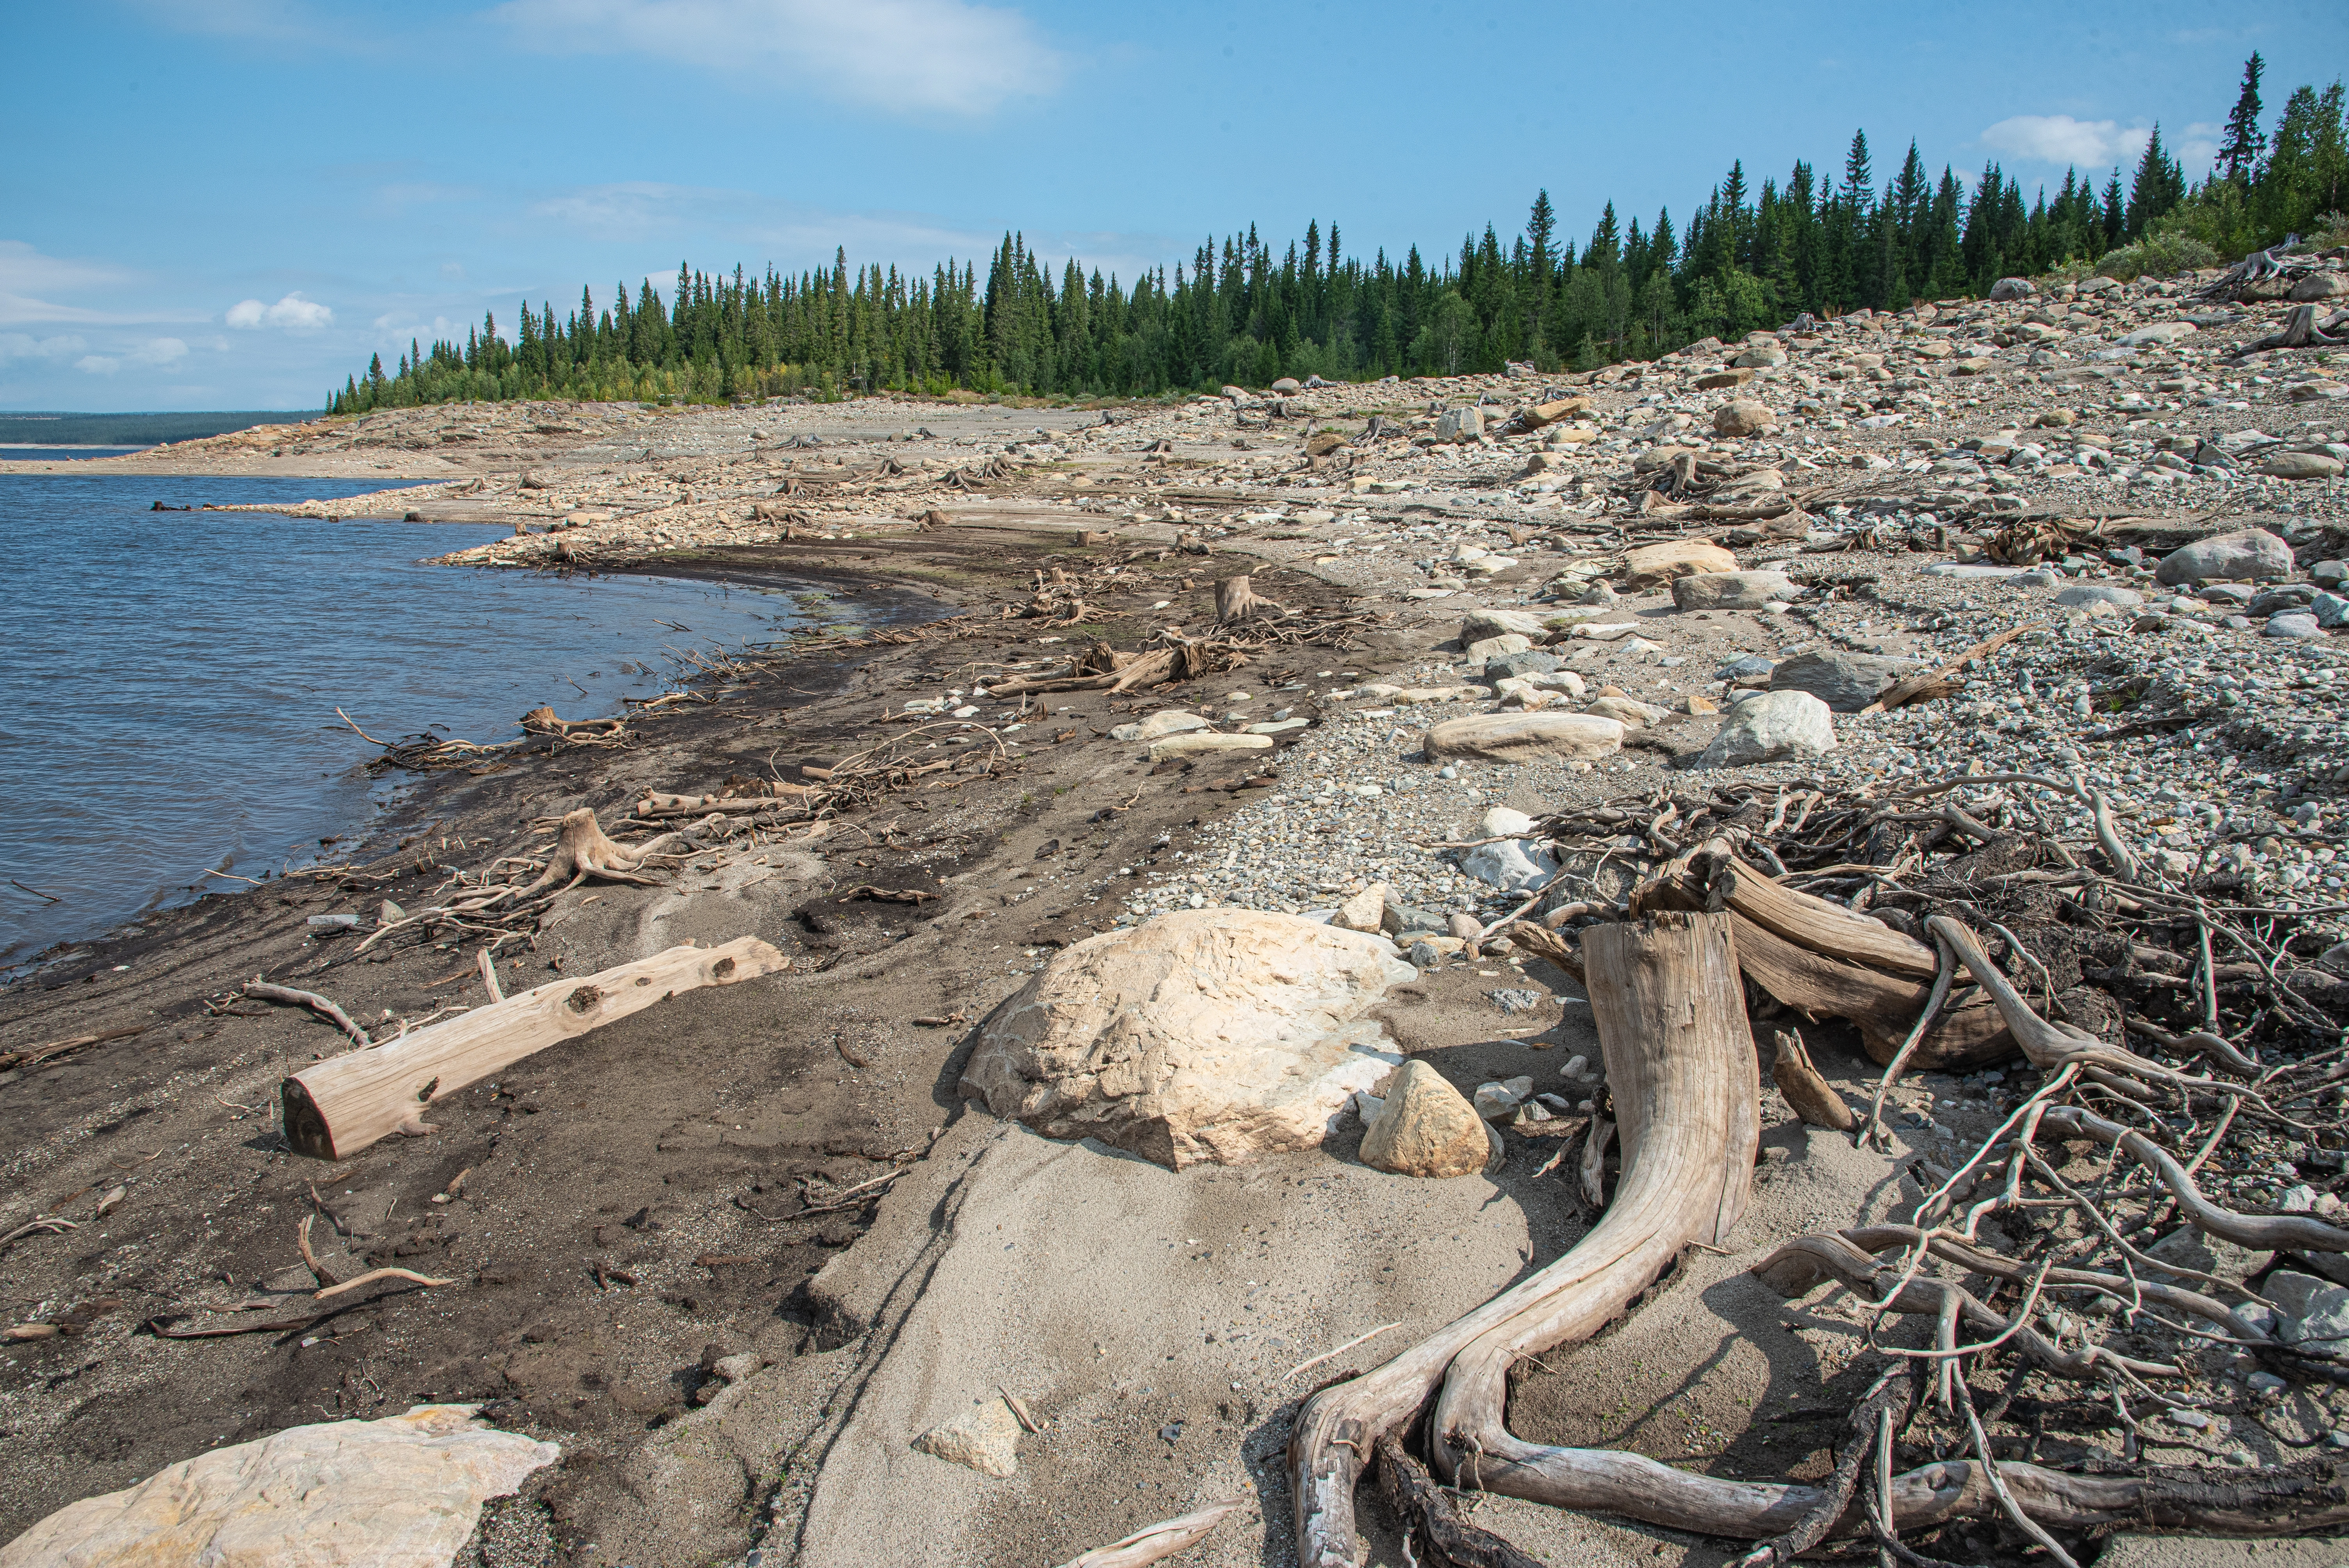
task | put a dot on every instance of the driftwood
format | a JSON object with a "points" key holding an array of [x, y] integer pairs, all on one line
{"points": [[1432, 1516], [1237, 601], [339, 1106], [656, 804], [1883, 1008], [1711, 870], [1153, 1541], [2301, 331], [1946, 681], [1814, 1099], [582, 850], [542, 720], [1680, 1066]]}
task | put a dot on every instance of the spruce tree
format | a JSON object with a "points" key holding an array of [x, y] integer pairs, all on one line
{"points": [[2238, 154], [2159, 186]]}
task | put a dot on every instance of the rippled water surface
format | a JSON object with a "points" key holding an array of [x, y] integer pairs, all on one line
{"points": [[169, 680]]}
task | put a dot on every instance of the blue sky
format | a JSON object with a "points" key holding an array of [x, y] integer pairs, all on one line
{"points": [[231, 204]]}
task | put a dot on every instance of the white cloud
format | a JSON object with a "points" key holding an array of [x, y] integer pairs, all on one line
{"points": [[293, 312], [2060, 138], [155, 351], [25, 345], [2197, 147], [938, 55]]}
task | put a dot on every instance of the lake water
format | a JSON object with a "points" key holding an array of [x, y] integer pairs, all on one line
{"points": [[62, 454], [169, 680]]}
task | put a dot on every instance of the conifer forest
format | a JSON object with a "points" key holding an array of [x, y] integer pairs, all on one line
{"points": [[1243, 310]]}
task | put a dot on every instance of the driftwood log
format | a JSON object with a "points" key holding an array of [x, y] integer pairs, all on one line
{"points": [[1826, 962], [1813, 1097], [1680, 1066], [339, 1106]]}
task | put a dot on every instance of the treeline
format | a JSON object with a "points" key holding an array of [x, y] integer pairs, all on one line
{"points": [[1241, 311]]}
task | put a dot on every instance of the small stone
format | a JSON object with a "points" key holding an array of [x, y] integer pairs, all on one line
{"points": [[1630, 713], [1524, 662], [389, 913], [1508, 866], [1426, 1128], [1772, 728], [1486, 649], [1743, 417], [1761, 357], [1459, 424], [1717, 380], [1423, 955], [2302, 466], [1202, 742], [2251, 555], [1844, 682], [1171, 721], [1478, 624], [1463, 927], [2082, 595], [1501, 822], [1730, 590], [1516, 737], [1366, 911], [985, 1438]]}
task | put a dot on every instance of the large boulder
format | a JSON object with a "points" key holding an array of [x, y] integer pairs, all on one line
{"points": [[2302, 466], [1731, 589], [1844, 682], [1654, 566], [1426, 1128], [1776, 726], [2251, 555], [1522, 736], [402, 1492], [1743, 417], [1206, 1035]]}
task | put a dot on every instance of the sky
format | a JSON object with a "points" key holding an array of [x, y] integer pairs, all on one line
{"points": [[234, 203]]}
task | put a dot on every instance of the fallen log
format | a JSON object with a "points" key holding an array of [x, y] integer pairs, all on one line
{"points": [[1153, 1541], [1883, 1008], [1680, 1066], [339, 1106]]}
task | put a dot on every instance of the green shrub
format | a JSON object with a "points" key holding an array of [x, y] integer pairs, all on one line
{"points": [[2158, 255]]}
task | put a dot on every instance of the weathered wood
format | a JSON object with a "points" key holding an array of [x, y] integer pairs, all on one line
{"points": [[339, 1106], [1712, 876], [1814, 1099], [1682, 1071], [1882, 1006], [1431, 1514], [1237, 601], [1153, 1541]]}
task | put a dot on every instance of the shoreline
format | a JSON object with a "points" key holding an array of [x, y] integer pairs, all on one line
{"points": [[717, 1174]]}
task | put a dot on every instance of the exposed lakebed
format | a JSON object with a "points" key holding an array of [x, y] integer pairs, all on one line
{"points": [[169, 680]]}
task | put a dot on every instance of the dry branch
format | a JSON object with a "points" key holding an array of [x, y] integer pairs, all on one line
{"points": [[1814, 1099], [340, 1107]]}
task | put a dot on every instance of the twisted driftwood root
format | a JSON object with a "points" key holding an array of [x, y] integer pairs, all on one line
{"points": [[583, 849], [1237, 601], [1679, 1059], [542, 720], [1813, 1097]]}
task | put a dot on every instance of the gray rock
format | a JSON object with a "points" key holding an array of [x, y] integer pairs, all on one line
{"points": [[1772, 728], [1478, 625], [2330, 610], [2038, 577], [1844, 682], [2013, 289], [1516, 1000], [2302, 466], [2329, 573], [1731, 589], [1507, 866], [1423, 955], [2189, 1248], [2160, 332], [1459, 424], [2081, 596], [1526, 662], [2277, 600], [1743, 417], [1285, 383], [2294, 627], [1968, 569], [1761, 356], [1397, 919], [2316, 1313], [1746, 671], [2252, 555]]}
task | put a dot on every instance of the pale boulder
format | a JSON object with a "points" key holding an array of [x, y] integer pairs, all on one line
{"points": [[1731, 589], [402, 1492], [1654, 566], [985, 1438], [1199, 742], [1776, 726], [1459, 424], [1171, 721], [1426, 1128], [1366, 911], [1629, 712], [1519, 736], [2248, 555], [1476, 625], [1743, 417], [1205, 1034]]}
